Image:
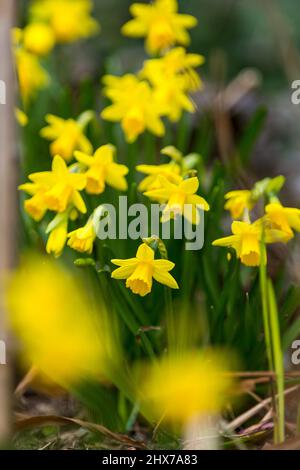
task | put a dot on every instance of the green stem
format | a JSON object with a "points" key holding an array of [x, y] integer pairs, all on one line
{"points": [[171, 330], [264, 301], [278, 359]]}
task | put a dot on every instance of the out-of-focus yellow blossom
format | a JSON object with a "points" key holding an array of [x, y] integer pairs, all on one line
{"points": [[283, 218], [83, 238], [172, 98], [21, 117], [179, 198], [246, 241], [171, 171], [176, 62], [38, 38], [160, 23], [103, 170], [32, 76], [134, 107], [57, 189], [67, 136], [55, 321], [190, 385], [58, 238], [238, 201], [70, 20], [141, 270]]}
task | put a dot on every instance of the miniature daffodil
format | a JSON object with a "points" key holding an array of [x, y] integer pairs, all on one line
{"points": [[134, 107], [83, 238], [70, 20], [283, 218], [175, 63], [160, 23], [246, 241], [31, 75], [102, 170], [171, 171], [38, 38], [67, 136], [238, 201], [180, 198], [58, 238], [140, 271], [60, 186]]}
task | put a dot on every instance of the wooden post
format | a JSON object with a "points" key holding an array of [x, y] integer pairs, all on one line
{"points": [[7, 199]]}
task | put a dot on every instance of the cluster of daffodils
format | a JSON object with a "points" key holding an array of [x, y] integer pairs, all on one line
{"points": [[277, 225], [51, 22], [162, 87], [59, 191]]}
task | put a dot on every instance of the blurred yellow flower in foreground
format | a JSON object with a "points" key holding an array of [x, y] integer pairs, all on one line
{"points": [[160, 23], [70, 20], [283, 218], [32, 77], [55, 190], [67, 136], [178, 197], [38, 38], [171, 171], [56, 322], [140, 271], [181, 387], [238, 201], [133, 106], [83, 238], [101, 170]]}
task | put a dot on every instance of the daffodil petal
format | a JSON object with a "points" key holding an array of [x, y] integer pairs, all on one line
{"points": [[165, 278]]}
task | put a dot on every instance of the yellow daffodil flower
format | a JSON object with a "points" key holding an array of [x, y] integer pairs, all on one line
{"points": [[246, 241], [176, 62], [58, 238], [181, 387], [283, 218], [31, 75], [35, 206], [134, 107], [60, 188], [70, 20], [38, 38], [83, 238], [141, 270], [59, 327], [103, 170], [178, 197], [67, 136], [172, 98], [160, 23], [238, 201], [171, 171]]}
